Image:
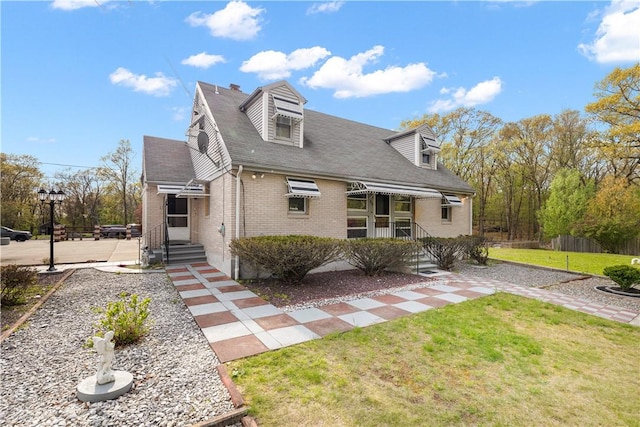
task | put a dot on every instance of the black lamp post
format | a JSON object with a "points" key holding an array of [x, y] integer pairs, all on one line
{"points": [[52, 197]]}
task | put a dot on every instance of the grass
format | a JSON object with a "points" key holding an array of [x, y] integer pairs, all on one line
{"points": [[500, 360], [588, 263]]}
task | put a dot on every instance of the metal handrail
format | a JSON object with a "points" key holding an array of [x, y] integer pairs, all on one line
{"points": [[403, 230]]}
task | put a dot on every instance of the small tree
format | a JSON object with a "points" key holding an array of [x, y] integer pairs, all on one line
{"points": [[612, 216], [567, 203]]}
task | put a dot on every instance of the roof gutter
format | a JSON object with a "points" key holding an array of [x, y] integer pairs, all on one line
{"points": [[236, 273]]}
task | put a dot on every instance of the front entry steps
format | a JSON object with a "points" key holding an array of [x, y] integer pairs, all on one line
{"points": [[184, 253]]}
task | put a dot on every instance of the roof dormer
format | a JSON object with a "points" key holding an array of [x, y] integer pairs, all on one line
{"points": [[418, 145], [277, 112]]}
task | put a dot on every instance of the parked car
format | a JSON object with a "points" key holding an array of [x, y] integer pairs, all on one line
{"points": [[17, 235], [118, 231]]}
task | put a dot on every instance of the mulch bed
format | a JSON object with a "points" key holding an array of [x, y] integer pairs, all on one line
{"points": [[328, 285]]}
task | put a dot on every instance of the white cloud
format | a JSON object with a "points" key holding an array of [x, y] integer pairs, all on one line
{"points": [[348, 80], [325, 7], [481, 93], [237, 21], [76, 4], [618, 35], [273, 65], [203, 60], [160, 85]]}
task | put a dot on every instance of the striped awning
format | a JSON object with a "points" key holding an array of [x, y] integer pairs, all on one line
{"points": [[188, 190], [288, 107], [300, 187], [362, 187], [451, 200]]}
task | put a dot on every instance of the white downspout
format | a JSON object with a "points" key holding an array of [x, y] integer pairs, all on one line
{"points": [[236, 273]]}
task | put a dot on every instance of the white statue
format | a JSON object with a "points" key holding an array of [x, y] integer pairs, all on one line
{"points": [[105, 349]]}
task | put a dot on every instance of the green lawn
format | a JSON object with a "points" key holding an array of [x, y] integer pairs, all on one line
{"points": [[501, 360], [579, 262]]}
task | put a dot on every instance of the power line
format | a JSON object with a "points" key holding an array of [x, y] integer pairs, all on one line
{"points": [[70, 166]]}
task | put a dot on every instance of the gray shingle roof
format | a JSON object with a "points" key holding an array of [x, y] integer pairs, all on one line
{"points": [[166, 161], [333, 147]]}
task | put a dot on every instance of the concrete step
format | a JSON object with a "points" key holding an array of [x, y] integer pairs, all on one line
{"points": [[185, 254]]}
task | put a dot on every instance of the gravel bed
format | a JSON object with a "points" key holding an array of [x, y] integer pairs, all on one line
{"points": [[175, 380], [573, 284]]}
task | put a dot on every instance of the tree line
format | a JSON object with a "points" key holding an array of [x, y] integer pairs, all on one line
{"points": [[572, 173], [108, 194]]}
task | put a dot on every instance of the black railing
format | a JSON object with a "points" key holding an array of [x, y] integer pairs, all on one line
{"points": [[404, 230], [154, 238]]}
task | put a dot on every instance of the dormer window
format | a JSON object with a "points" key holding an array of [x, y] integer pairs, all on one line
{"points": [[428, 150], [283, 127]]}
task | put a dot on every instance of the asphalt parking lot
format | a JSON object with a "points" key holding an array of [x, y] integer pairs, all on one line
{"points": [[36, 252]]}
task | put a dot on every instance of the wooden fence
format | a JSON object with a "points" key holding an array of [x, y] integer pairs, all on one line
{"points": [[582, 244]]}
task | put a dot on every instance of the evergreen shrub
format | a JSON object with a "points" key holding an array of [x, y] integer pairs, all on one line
{"points": [[15, 281], [289, 257], [373, 256]]}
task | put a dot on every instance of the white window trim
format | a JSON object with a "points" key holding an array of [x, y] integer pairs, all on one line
{"points": [[305, 210]]}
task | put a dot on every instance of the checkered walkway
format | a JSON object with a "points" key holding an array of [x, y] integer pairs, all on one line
{"points": [[237, 323]]}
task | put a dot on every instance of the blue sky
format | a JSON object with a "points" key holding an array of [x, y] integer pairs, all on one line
{"points": [[78, 76]]}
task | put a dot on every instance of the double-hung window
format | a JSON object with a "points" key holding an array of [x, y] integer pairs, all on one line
{"points": [[283, 127]]}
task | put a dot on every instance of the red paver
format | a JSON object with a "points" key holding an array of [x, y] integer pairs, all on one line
{"points": [[339, 309], [324, 327], [434, 302], [428, 291], [195, 286], [469, 294], [249, 302], [204, 299], [237, 348], [176, 270], [388, 299], [232, 288], [215, 319], [218, 279], [277, 321], [388, 312], [200, 264]]}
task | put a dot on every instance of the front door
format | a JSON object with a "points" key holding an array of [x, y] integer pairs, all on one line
{"points": [[382, 216], [178, 218]]}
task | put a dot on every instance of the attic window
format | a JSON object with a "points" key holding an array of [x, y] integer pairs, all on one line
{"points": [[287, 107], [283, 127], [428, 147]]}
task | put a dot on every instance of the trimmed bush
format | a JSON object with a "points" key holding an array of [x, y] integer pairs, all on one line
{"points": [[624, 275], [127, 318], [373, 256], [289, 258], [477, 248], [15, 281], [444, 251]]}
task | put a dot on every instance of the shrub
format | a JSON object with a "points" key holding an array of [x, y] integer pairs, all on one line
{"points": [[289, 258], [477, 248], [444, 251], [15, 280], [127, 318], [373, 256], [624, 275]]}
